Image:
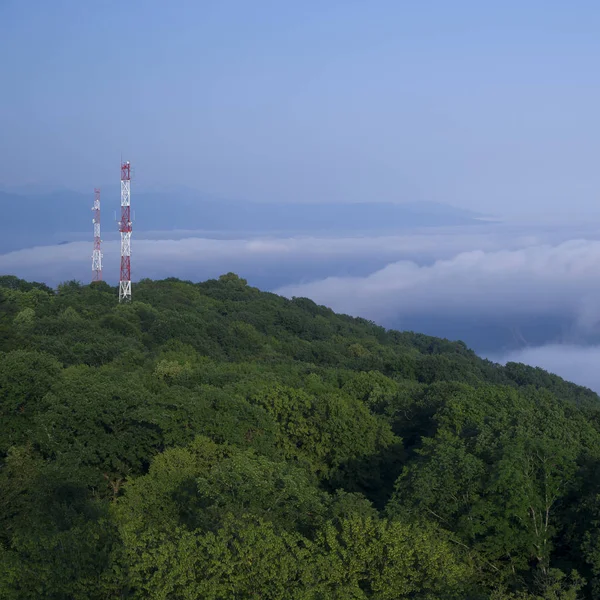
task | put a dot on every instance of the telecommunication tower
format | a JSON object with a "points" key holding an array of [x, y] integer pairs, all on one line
{"points": [[125, 229], [97, 254]]}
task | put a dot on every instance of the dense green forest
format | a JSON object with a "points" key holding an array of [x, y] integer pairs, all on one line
{"points": [[211, 441]]}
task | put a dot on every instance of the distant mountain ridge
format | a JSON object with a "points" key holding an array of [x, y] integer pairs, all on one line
{"points": [[54, 216]]}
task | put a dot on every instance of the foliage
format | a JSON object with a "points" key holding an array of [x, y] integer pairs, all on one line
{"points": [[214, 441]]}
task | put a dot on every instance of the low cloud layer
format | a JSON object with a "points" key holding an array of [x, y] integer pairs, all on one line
{"points": [[498, 288], [489, 274], [538, 280], [273, 261]]}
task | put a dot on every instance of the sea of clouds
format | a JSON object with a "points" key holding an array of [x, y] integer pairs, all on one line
{"points": [[509, 273]]}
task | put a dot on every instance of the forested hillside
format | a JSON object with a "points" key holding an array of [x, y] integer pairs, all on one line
{"points": [[211, 441]]}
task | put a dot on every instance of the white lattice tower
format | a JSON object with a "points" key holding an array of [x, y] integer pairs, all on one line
{"points": [[97, 254], [125, 229]]}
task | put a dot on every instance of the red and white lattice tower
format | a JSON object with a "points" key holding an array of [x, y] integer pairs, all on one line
{"points": [[97, 255], [125, 229]]}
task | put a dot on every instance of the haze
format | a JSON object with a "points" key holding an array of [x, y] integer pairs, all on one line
{"points": [[486, 106]]}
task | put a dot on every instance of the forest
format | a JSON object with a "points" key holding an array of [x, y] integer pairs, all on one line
{"points": [[212, 441]]}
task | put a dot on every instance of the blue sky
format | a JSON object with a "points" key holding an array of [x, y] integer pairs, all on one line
{"points": [[485, 105]]}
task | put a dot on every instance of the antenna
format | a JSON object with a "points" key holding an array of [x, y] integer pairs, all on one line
{"points": [[125, 229], [97, 254]]}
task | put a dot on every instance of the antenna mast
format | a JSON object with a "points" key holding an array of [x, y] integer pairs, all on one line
{"points": [[125, 229], [97, 254]]}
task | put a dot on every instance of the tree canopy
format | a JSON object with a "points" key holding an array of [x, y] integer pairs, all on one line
{"points": [[209, 440]]}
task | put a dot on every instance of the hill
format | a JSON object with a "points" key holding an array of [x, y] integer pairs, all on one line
{"points": [[213, 441], [65, 215]]}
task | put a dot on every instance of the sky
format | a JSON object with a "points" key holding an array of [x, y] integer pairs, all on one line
{"points": [[490, 106]]}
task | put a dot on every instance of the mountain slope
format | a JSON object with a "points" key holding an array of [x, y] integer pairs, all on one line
{"points": [[59, 216], [212, 441]]}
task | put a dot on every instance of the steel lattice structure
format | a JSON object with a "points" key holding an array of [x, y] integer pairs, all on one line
{"points": [[97, 254], [125, 229]]}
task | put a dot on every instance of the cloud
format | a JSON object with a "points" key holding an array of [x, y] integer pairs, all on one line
{"points": [[482, 285], [468, 277], [485, 271], [536, 280], [196, 257], [573, 363]]}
